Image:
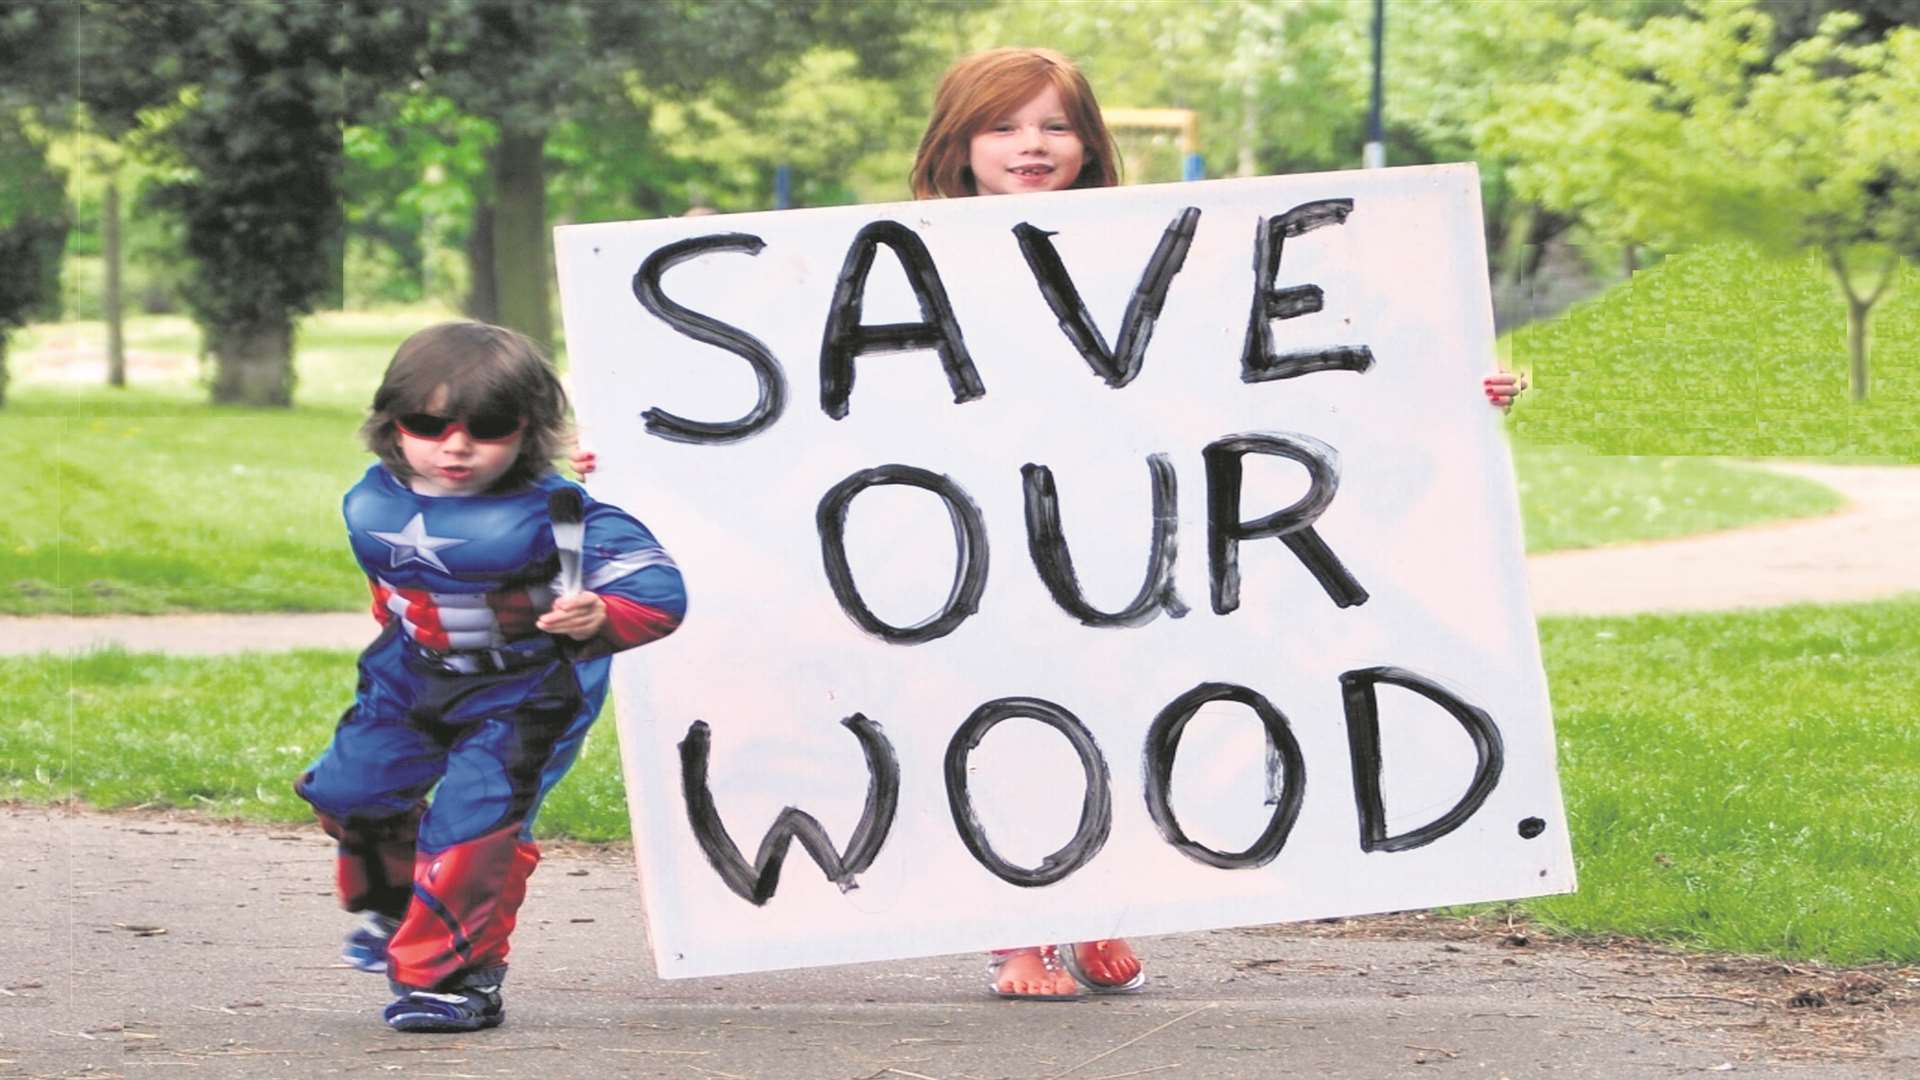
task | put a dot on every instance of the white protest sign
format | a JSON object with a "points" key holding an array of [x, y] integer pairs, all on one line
{"points": [[1065, 566]]}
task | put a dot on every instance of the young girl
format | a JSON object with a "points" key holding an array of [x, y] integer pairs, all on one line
{"points": [[485, 676], [1009, 121]]}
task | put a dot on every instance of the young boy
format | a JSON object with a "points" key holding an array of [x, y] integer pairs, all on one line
{"points": [[485, 676]]}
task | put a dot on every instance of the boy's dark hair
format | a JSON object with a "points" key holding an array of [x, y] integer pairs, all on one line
{"points": [[485, 369]]}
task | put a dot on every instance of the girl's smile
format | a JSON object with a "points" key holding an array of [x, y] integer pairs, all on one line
{"points": [[1034, 149]]}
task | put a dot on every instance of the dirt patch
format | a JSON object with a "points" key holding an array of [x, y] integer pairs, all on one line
{"points": [[75, 360], [1798, 1012]]}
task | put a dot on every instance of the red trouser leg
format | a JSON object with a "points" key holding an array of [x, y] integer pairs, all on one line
{"points": [[465, 899], [374, 864]]}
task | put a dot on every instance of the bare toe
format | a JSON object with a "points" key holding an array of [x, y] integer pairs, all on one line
{"points": [[1108, 962], [1032, 972]]}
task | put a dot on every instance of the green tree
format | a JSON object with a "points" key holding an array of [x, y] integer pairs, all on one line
{"points": [[528, 66], [1796, 20], [847, 137], [1694, 127], [410, 187], [33, 219], [33, 230], [245, 102], [99, 170]]}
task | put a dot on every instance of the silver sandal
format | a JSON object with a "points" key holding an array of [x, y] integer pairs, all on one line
{"points": [[1049, 958], [1071, 959]]}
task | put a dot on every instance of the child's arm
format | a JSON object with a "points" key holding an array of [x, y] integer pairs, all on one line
{"points": [[632, 592]]}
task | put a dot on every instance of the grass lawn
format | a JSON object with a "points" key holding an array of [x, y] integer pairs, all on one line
{"points": [[223, 735], [1746, 782], [148, 500], [1572, 498], [1717, 350]]}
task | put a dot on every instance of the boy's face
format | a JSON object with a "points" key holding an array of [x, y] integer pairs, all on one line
{"points": [[456, 463]]}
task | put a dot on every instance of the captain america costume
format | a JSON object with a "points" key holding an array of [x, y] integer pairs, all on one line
{"points": [[462, 691]]}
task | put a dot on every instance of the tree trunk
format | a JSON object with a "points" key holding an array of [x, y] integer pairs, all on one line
{"points": [[1250, 105], [1515, 253], [1249, 164], [113, 304], [483, 301], [1857, 311], [1629, 259], [253, 363], [520, 240]]}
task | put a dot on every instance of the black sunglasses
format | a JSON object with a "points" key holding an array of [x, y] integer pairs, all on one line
{"points": [[486, 427]]}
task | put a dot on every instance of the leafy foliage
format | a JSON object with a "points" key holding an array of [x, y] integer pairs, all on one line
{"points": [[33, 227], [531, 68], [33, 221], [1694, 126], [247, 99]]}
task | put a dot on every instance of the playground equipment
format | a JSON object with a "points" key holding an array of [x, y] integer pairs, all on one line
{"points": [[1184, 122]]}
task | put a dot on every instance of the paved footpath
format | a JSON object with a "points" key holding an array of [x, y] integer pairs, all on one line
{"points": [[141, 946], [1863, 552]]}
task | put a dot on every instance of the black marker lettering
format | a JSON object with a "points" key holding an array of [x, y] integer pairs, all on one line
{"points": [[969, 538], [1047, 543], [1096, 809], [1258, 361], [1143, 310], [756, 883], [846, 339], [1363, 743], [705, 328], [1293, 525], [1283, 758]]}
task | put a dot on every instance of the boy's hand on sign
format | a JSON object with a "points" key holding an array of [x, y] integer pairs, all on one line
{"points": [[579, 616]]}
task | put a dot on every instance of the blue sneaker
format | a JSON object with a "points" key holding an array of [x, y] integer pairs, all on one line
{"points": [[366, 945], [461, 1008]]}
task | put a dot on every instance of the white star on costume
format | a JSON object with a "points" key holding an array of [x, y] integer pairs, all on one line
{"points": [[413, 544]]}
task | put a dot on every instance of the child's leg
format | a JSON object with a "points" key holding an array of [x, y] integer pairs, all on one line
{"points": [[373, 863], [471, 867], [368, 785], [592, 676]]}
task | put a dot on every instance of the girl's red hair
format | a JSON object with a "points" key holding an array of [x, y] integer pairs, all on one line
{"points": [[979, 90]]}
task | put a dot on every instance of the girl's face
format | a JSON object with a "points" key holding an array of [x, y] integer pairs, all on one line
{"points": [[455, 462], [1034, 149]]}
